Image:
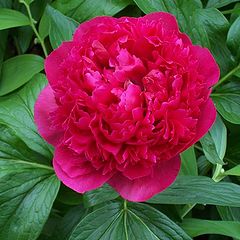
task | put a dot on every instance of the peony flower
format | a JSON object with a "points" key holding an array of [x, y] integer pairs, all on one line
{"points": [[125, 97]]}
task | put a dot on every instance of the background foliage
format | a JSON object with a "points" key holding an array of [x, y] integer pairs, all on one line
{"points": [[204, 202]]}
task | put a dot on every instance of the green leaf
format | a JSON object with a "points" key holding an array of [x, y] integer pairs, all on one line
{"points": [[237, 73], [189, 162], [135, 221], [27, 189], [24, 38], [3, 44], [233, 172], [204, 166], [44, 26], [10, 18], [13, 148], [24, 35], [219, 3], [5, 3], [18, 70], [181, 9], [209, 29], [178, 8], [68, 223], [235, 12], [100, 195], [199, 190], [68, 196], [197, 227], [233, 38], [229, 213], [86, 9], [17, 112], [61, 27], [228, 105], [214, 143]]}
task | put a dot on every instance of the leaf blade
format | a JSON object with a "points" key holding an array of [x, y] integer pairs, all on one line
{"points": [[27, 189], [61, 27], [18, 70], [11, 18], [199, 190], [16, 111], [197, 227]]}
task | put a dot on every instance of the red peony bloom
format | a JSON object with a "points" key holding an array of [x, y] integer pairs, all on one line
{"points": [[125, 97]]}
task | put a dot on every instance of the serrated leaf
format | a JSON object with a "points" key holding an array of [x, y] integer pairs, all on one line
{"points": [[199, 190], [228, 105], [10, 18], [134, 221], [18, 70], [100, 195], [214, 143], [197, 227], [27, 189], [61, 27], [86, 9], [233, 38], [189, 162], [17, 112]]}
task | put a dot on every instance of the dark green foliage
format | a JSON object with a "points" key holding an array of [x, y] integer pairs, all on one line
{"points": [[205, 198]]}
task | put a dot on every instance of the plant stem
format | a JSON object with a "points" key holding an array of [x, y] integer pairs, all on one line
{"points": [[125, 205], [223, 79], [234, 10], [198, 148], [32, 23]]}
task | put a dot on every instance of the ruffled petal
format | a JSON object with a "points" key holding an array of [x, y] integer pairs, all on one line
{"points": [[87, 26], [169, 24], [76, 172], [142, 189], [167, 20], [207, 65], [54, 60], [206, 120], [43, 106]]}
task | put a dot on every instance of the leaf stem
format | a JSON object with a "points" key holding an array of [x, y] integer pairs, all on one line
{"points": [[234, 10], [32, 23], [218, 173], [125, 205], [125, 218], [223, 79]]}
